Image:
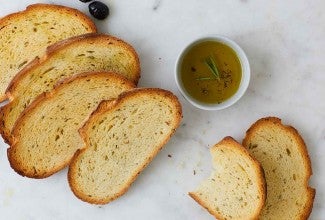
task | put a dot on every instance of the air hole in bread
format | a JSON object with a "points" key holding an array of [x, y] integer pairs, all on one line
{"points": [[252, 146], [22, 64], [48, 70], [288, 152]]}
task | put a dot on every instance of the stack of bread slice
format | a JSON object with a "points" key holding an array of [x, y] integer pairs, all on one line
{"points": [[236, 190], [122, 137], [85, 53], [25, 35], [72, 100], [283, 155], [45, 136]]}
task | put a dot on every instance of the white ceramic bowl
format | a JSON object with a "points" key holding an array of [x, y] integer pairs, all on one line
{"points": [[244, 79]]}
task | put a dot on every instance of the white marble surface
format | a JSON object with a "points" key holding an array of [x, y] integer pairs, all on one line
{"points": [[285, 44]]}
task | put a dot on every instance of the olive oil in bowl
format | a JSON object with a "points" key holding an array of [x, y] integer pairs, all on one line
{"points": [[211, 72]]}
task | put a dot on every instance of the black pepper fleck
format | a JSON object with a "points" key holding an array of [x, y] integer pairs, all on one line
{"points": [[204, 91]]}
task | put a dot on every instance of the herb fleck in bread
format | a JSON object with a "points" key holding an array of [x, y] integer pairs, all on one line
{"points": [[25, 35], [284, 157], [236, 187], [46, 134], [87, 53], [121, 138]]}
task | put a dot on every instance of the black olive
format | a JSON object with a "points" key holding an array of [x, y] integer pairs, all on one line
{"points": [[99, 10], [85, 0]]}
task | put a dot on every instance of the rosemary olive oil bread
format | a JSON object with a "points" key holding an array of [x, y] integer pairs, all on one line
{"points": [[284, 157], [25, 35], [236, 187], [86, 53], [46, 134], [121, 138]]}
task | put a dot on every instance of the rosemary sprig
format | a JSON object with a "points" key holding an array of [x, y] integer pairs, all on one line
{"points": [[203, 78], [213, 67]]}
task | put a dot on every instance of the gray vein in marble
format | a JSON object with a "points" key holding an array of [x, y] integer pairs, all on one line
{"points": [[194, 138], [156, 5]]}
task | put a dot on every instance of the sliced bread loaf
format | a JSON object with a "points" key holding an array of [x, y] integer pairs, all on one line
{"points": [[121, 138], [46, 134], [87, 53], [236, 187], [25, 35], [284, 157]]}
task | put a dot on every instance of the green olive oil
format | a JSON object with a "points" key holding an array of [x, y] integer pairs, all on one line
{"points": [[211, 72]]}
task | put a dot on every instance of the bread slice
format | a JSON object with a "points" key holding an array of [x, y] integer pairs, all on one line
{"points": [[236, 187], [25, 35], [121, 138], [284, 157], [46, 134], [87, 53]]}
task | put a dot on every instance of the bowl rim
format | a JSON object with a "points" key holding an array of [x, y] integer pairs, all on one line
{"points": [[244, 79]]}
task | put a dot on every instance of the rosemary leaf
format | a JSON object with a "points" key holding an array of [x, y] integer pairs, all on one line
{"points": [[213, 67], [204, 78]]}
